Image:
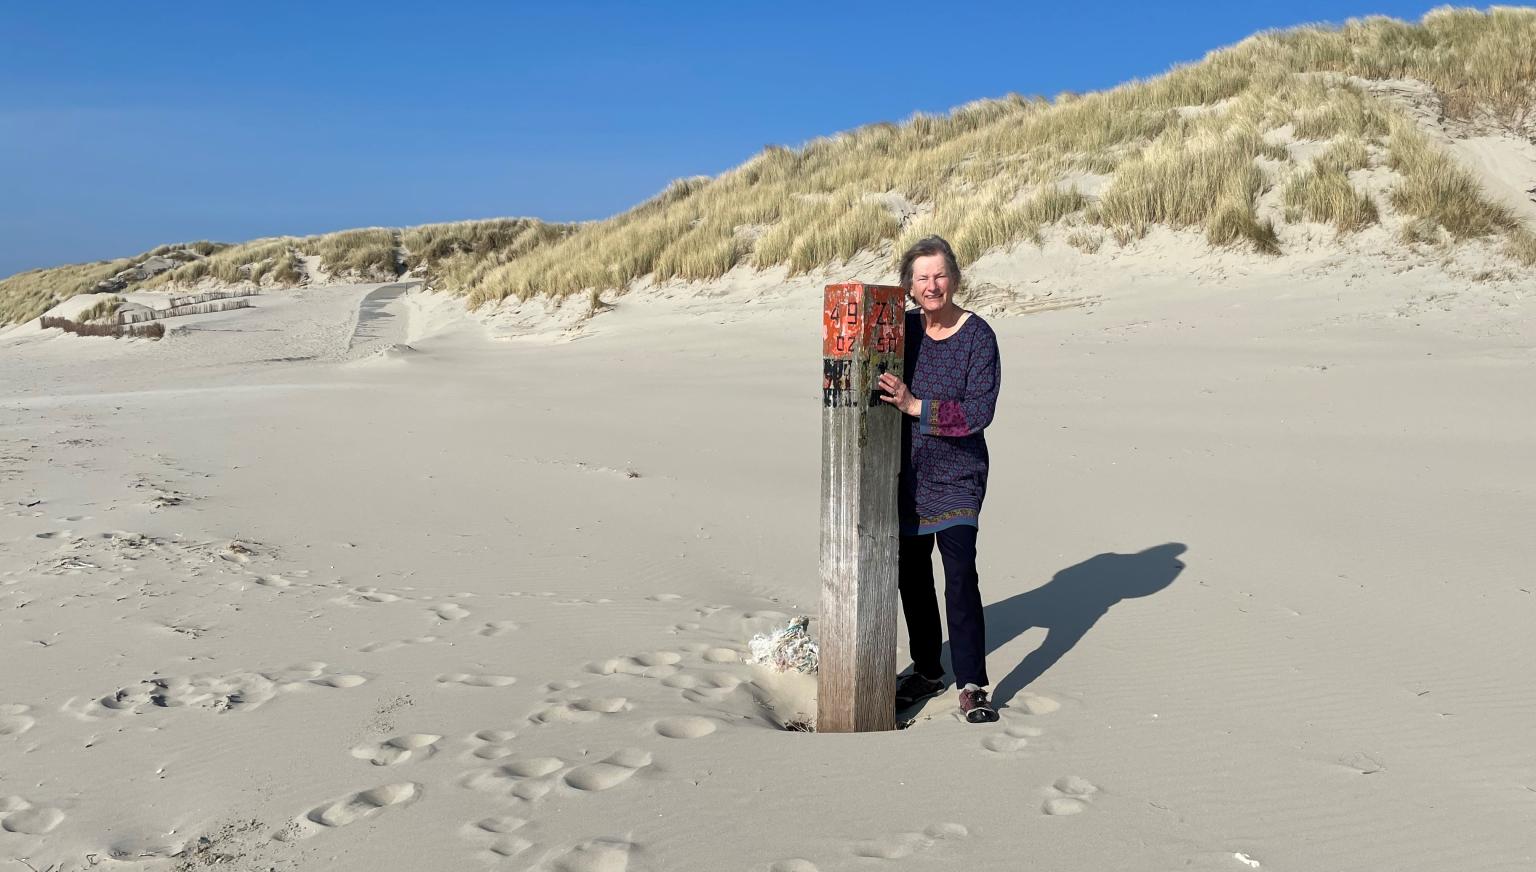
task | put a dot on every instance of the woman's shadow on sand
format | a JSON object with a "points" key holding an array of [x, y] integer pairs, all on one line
{"points": [[1068, 606]]}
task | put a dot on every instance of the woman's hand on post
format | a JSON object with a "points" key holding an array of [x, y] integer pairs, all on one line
{"points": [[896, 394]]}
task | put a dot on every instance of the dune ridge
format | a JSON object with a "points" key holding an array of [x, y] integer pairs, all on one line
{"points": [[1256, 146]]}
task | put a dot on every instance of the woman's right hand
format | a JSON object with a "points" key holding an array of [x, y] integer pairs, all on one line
{"points": [[896, 394]]}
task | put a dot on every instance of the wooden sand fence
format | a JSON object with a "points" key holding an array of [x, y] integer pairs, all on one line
{"points": [[208, 296], [116, 331], [175, 311]]}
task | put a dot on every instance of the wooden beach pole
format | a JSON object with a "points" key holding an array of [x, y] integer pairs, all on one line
{"points": [[862, 328]]}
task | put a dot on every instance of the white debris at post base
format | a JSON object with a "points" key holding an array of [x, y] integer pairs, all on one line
{"points": [[786, 649]]}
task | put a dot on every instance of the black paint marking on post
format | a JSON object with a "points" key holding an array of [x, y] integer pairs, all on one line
{"points": [[862, 328]]}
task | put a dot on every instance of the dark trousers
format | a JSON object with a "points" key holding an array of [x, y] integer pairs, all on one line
{"points": [[962, 605]]}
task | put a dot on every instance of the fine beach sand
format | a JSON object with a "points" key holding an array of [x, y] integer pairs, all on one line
{"points": [[352, 580]]}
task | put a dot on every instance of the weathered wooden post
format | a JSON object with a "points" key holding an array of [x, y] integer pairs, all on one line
{"points": [[862, 329]]}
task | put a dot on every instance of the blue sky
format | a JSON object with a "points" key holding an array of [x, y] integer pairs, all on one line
{"points": [[123, 126]]}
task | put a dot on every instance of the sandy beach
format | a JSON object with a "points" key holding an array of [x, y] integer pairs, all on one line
{"points": [[355, 580]]}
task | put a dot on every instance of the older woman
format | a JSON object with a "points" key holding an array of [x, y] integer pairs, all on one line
{"points": [[949, 394]]}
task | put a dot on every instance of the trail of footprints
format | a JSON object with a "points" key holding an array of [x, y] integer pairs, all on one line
{"points": [[1070, 794], [502, 772]]}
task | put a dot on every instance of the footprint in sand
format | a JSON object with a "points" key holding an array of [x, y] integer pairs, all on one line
{"points": [[656, 664], [610, 772], [902, 845], [527, 779], [392, 644], [412, 746], [295, 673], [897, 847], [685, 727], [597, 855], [359, 806], [496, 835], [579, 711], [342, 680], [450, 612], [533, 767], [1035, 704], [498, 628], [1070, 795], [476, 679], [15, 720], [1014, 736], [703, 688], [364, 595], [273, 580], [492, 744], [17, 815], [946, 831]]}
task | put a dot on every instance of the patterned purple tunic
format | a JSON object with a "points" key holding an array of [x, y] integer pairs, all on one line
{"points": [[944, 451]]}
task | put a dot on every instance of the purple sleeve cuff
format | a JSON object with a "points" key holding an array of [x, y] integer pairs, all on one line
{"points": [[941, 418]]}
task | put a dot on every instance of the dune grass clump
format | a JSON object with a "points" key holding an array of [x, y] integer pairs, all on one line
{"points": [[372, 253], [106, 307], [186, 250], [1479, 63], [992, 218], [463, 269], [1435, 189], [1327, 197], [432, 244], [1521, 246], [1345, 154], [1323, 192], [1200, 173], [1327, 111], [272, 259], [1086, 241], [701, 254]]}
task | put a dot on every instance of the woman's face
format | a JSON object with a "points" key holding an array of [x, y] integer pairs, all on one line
{"points": [[932, 284]]}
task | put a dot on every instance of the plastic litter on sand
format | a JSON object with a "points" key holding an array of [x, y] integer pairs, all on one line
{"points": [[786, 649]]}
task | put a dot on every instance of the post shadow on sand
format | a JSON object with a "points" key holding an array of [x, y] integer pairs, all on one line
{"points": [[1068, 606]]}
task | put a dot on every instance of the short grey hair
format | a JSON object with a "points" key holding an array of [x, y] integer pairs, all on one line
{"points": [[927, 247]]}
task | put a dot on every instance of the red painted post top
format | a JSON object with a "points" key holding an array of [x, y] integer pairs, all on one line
{"points": [[849, 319]]}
